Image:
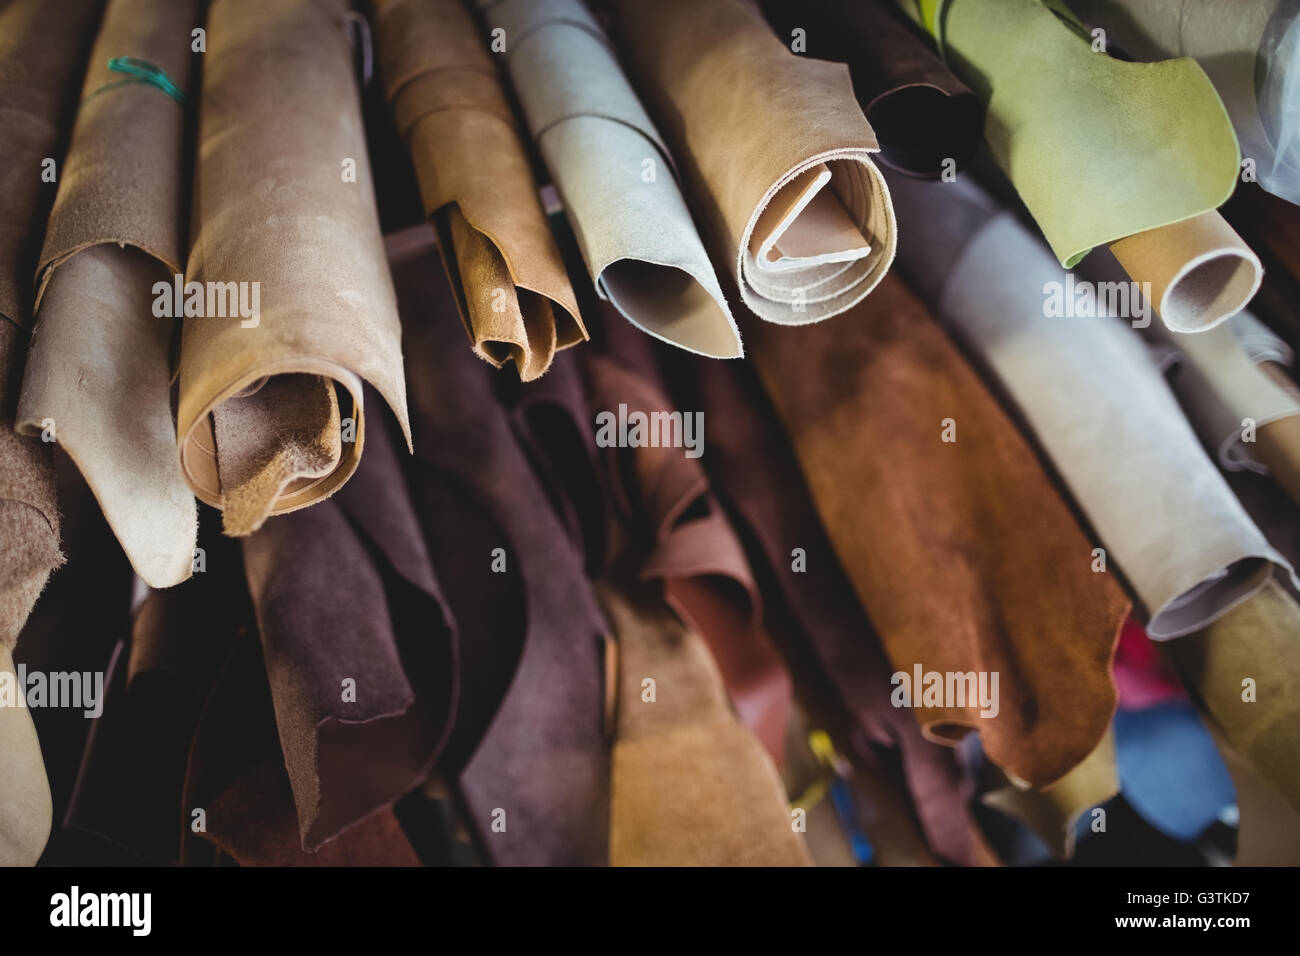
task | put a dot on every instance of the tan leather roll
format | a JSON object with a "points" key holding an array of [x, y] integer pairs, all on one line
{"points": [[99, 366], [477, 184], [1200, 270], [285, 221], [778, 168]]}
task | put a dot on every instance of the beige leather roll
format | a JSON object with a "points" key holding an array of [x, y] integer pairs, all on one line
{"points": [[778, 167], [99, 367]]}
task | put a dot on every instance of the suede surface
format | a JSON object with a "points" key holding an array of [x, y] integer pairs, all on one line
{"points": [[358, 644], [1222, 382], [284, 198], [1088, 390], [1052, 814], [42, 61], [117, 227], [747, 149], [1244, 669], [810, 606], [866, 406], [691, 787], [1247, 48], [477, 184], [1098, 148], [615, 177], [530, 750], [650, 510]]}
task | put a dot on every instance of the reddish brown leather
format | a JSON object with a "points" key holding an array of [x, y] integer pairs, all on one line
{"points": [[963, 553]]}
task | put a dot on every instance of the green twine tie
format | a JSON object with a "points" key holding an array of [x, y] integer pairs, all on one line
{"points": [[140, 71]]}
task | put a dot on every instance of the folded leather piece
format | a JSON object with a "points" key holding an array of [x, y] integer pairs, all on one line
{"points": [[810, 607], [359, 647], [1222, 381], [41, 64], [1245, 671], [1250, 49], [778, 168], [921, 113], [117, 227], [236, 776], [1101, 149], [285, 210], [477, 184], [604, 155], [691, 787], [866, 405], [1170, 771], [654, 502], [1186, 547], [1052, 814], [535, 778]]}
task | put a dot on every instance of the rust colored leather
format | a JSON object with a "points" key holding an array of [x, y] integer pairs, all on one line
{"points": [[963, 553]]}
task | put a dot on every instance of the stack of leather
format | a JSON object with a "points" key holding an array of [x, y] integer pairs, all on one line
{"points": [[793, 500]]}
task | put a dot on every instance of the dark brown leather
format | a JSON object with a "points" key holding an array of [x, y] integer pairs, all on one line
{"points": [[542, 756]]}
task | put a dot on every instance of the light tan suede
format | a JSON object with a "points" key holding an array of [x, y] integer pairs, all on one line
{"points": [[962, 552], [690, 786], [26, 809], [99, 365], [284, 198], [504, 328], [1052, 812], [780, 162], [283, 429], [1200, 270], [99, 370], [1258, 640], [477, 185]]}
